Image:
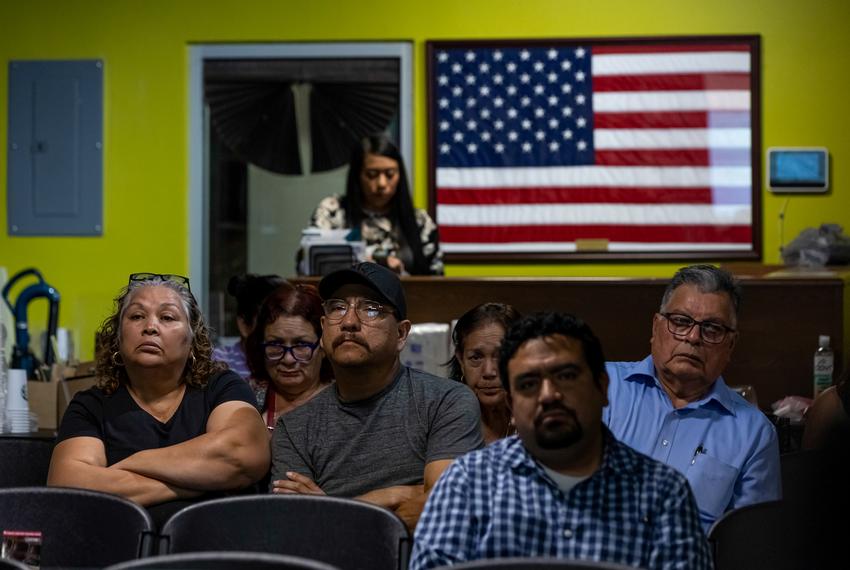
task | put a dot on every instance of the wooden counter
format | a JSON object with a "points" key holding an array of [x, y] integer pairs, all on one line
{"points": [[781, 316]]}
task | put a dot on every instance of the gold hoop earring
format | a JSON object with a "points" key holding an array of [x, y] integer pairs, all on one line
{"points": [[116, 359]]}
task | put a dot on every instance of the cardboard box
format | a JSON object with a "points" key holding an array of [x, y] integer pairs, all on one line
{"points": [[48, 400]]}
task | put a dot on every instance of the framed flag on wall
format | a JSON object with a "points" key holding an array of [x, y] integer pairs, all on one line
{"points": [[640, 148]]}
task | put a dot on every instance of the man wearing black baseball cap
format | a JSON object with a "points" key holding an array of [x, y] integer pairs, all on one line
{"points": [[384, 433]]}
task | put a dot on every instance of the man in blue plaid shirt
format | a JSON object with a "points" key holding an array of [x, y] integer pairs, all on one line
{"points": [[563, 487]]}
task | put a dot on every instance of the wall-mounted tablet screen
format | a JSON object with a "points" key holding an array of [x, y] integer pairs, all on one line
{"points": [[798, 169]]}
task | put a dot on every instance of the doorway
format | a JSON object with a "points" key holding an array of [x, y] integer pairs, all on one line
{"points": [[271, 126]]}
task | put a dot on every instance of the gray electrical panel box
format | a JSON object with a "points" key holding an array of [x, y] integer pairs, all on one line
{"points": [[55, 148]]}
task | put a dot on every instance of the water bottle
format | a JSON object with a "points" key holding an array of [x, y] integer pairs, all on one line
{"points": [[824, 363]]}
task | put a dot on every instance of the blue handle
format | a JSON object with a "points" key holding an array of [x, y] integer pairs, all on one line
{"points": [[15, 279]]}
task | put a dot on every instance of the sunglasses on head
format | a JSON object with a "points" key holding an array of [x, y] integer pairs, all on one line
{"points": [[178, 279]]}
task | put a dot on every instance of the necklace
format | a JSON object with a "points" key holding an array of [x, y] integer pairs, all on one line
{"points": [[271, 402], [497, 415], [511, 428], [497, 435]]}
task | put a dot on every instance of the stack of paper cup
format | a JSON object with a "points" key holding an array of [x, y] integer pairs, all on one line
{"points": [[17, 407], [2, 399], [2, 377]]}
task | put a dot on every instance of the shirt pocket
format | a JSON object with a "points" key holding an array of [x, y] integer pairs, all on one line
{"points": [[712, 482]]}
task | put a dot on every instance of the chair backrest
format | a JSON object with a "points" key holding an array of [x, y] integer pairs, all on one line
{"points": [[801, 475], [223, 561], [350, 534], [24, 461], [816, 496], [536, 563], [765, 535], [78, 527], [6, 564]]}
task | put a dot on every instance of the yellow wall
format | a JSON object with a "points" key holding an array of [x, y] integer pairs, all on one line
{"points": [[805, 80]]}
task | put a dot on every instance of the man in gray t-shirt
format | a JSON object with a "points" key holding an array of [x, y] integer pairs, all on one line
{"points": [[384, 432]]}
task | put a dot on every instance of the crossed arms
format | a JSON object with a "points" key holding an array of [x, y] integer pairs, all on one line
{"points": [[406, 500], [233, 453]]}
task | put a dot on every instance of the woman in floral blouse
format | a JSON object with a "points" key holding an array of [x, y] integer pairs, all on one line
{"points": [[377, 200]]}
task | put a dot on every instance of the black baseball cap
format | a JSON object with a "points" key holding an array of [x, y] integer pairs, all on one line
{"points": [[384, 281]]}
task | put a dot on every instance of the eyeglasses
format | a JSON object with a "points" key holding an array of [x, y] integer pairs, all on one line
{"points": [[710, 332], [178, 279], [373, 173], [366, 310], [302, 352]]}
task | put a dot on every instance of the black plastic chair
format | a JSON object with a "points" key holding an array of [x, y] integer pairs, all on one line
{"points": [[79, 527], [801, 475], [223, 561], [350, 534], [816, 497], [24, 460], [536, 564], [765, 535]]}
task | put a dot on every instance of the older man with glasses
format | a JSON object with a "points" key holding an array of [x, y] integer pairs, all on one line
{"points": [[384, 432], [675, 407]]}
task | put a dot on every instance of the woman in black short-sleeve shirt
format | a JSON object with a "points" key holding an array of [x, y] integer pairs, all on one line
{"points": [[164, 422]]}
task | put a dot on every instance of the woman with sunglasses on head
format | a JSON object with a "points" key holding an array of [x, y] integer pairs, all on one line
{"points": [[377, 202], [165, 422], [288, 366]]}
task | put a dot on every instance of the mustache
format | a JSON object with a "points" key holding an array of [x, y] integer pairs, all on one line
{"points": [[348, 338], [551, 407], [691, 355]]}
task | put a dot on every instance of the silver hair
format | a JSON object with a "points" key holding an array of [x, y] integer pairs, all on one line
{"points": [[708, 279]]}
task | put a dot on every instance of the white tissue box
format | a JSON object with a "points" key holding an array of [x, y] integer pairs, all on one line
{"points": [[428, 348]]}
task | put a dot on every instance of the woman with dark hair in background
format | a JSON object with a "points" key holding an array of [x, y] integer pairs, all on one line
{"points": [[477, 337], [828, 418], [377, 201], [249, 291], [165, 422], [827, 437], [288, 366]]}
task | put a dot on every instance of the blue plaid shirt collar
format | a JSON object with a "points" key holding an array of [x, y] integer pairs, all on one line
{"points": [[614, 459]]}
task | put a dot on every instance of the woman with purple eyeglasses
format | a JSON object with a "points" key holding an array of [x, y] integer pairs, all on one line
{"points": [[288, 367]]}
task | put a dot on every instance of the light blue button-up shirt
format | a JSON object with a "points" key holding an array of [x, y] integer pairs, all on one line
{"points": [[725, 447]]}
